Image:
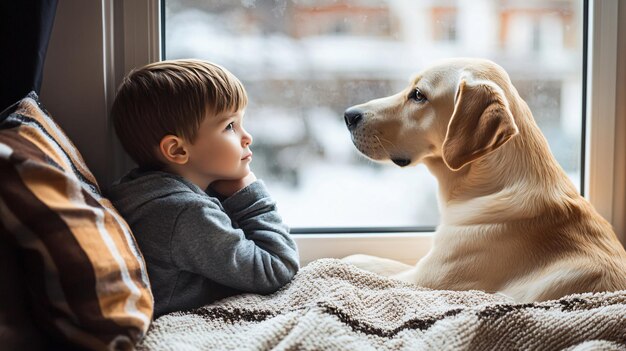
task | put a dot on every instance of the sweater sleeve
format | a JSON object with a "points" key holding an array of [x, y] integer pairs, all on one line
{"points": [[258, 257]]}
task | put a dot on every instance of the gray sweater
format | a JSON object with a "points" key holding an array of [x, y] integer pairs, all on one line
{"points": [[199, 249]]}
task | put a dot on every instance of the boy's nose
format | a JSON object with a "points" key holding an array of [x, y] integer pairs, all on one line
{"points": [[247, 139]]}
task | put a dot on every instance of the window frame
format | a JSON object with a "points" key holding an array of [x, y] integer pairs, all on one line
{"points": [[601, 121], [138, 24]]}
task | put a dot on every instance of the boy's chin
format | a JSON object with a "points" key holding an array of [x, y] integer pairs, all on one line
{"points": [[240, 174]]}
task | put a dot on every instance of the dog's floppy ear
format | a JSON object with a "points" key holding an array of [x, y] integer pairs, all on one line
{"points": [[481, 123]]}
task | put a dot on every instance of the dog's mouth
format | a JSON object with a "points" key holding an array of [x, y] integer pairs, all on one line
{"points": [[402, 162], [373, 148]]}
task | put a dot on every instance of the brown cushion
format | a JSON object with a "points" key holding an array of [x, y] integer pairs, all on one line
{"points": [[85, 276]]}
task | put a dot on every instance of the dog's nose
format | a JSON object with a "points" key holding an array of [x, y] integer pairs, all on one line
{"points": [[352, 116]]}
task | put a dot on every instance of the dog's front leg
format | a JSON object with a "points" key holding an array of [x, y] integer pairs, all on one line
{"points": [[407, 276], [424, 274], [378, 265]]}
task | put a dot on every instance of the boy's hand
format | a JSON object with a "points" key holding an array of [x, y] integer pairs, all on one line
{"points": [[229, 187]]}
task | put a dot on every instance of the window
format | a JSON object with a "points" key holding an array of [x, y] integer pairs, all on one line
{"points": [[304, 62]]}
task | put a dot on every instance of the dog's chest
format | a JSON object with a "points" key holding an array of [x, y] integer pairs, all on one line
{"points": [[468, 259]]}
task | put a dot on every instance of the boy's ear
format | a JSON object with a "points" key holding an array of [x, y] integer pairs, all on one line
{"points": [[173, 149]]}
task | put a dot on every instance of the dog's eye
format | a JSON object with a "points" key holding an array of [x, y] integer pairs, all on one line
{"points": [[417, 95]]}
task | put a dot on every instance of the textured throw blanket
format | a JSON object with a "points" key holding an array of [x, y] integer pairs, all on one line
{"points": [[331, 305]]}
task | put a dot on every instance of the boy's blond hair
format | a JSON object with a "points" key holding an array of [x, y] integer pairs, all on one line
{"points": [[171, 98]]}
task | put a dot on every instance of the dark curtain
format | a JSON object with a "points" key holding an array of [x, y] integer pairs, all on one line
{"points": [[25, 28]]}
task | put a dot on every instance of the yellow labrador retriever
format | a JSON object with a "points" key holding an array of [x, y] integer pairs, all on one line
{"points": [[511, 220]]}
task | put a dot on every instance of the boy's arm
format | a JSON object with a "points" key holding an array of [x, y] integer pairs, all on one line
{"points": [[259, 257]]}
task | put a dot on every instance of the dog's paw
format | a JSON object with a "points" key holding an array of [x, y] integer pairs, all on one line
{"points": [[378, 265]]}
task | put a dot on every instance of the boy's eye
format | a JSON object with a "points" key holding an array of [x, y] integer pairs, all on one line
{"points": [[230, 126]]}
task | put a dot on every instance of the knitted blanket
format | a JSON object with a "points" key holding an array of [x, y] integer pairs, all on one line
{"points": [[331, 305]]}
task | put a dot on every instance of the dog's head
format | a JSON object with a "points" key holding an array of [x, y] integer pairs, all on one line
{"points": [[456, 110]]}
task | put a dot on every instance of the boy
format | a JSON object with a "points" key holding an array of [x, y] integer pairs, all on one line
{"points": [[182, 122]]}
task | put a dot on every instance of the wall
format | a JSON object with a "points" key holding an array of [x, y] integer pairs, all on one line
{"points": [[73, 88]]}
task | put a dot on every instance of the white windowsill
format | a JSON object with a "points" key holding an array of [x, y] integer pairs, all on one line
{"points": [[403, 247]]}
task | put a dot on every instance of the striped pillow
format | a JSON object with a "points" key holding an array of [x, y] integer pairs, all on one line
{"points": [[86, 277]]}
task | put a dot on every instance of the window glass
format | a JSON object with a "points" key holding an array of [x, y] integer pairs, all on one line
{"points": [[303, 62]]}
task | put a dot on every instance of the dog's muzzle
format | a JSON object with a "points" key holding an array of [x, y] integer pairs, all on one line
{"points": [[366, 141]]}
